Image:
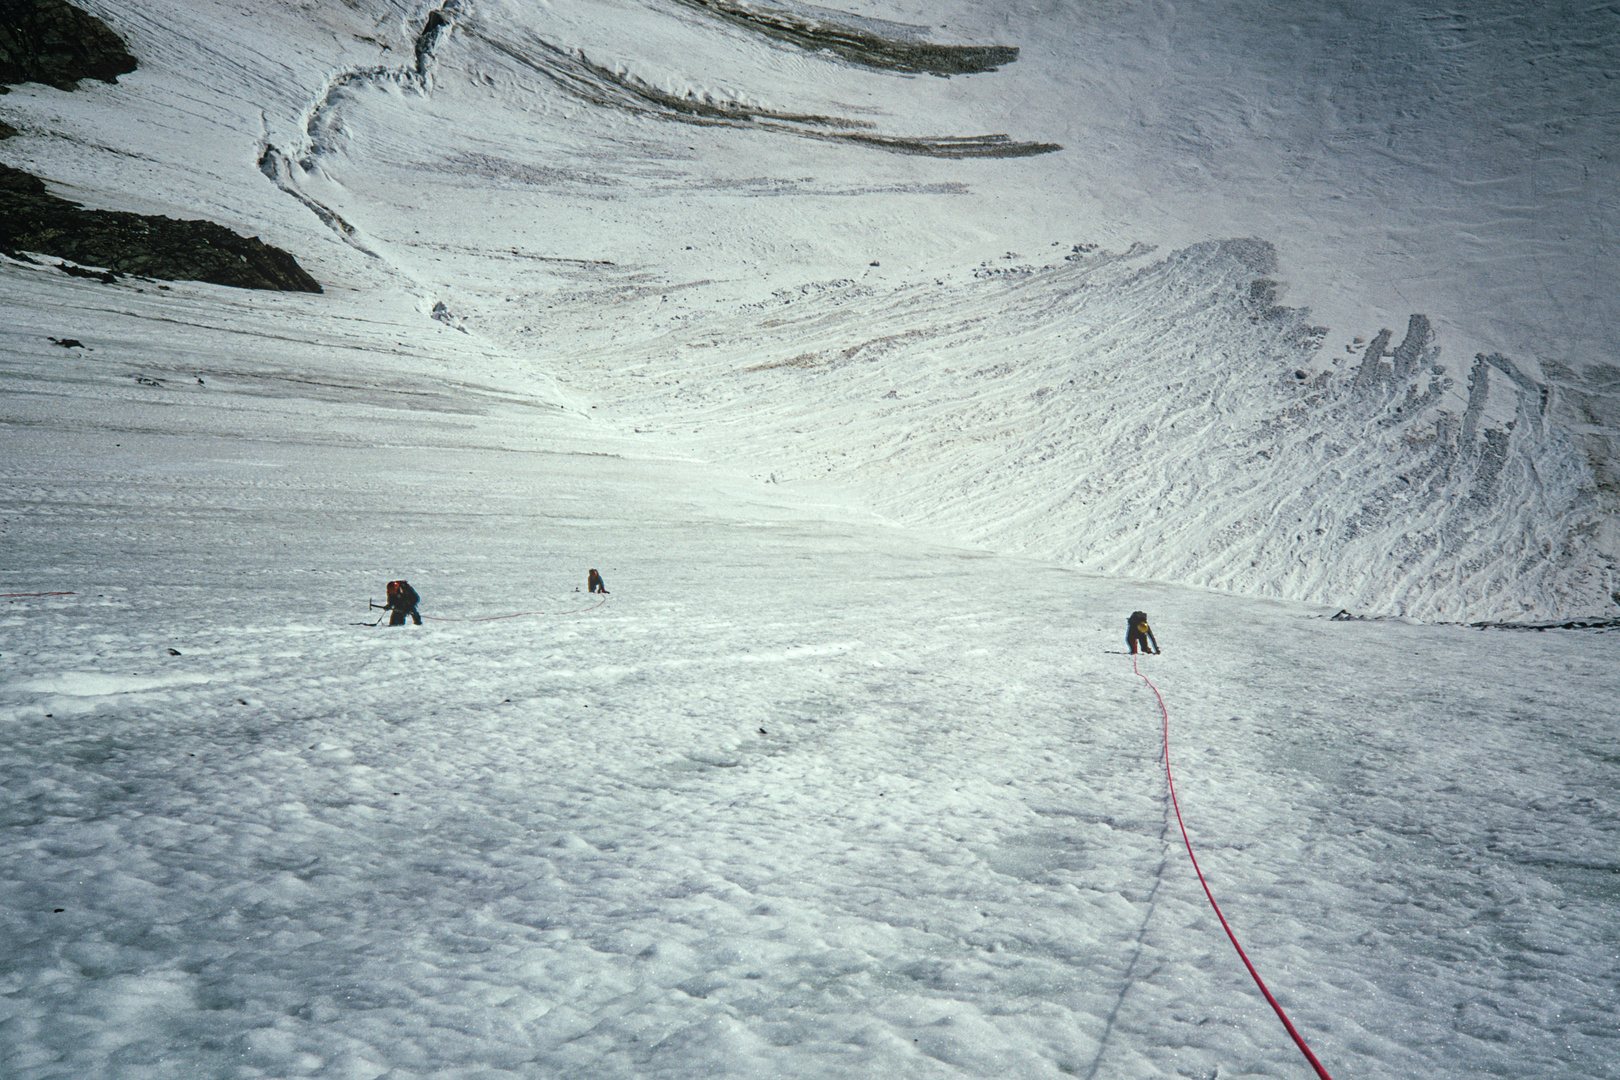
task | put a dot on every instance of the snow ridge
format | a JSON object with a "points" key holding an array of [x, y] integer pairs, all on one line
{"points": [[322, 126], [1164, 420]]}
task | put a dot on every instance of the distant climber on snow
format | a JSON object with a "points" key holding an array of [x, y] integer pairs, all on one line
{"points": [[402, 601], [1137, 632], [593, 583]]}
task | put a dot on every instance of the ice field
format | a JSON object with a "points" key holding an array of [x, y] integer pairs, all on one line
{"points": [[876, 433]]}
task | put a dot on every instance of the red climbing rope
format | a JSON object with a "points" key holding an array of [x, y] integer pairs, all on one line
{"points": [[1258, 981], [518, 614]]}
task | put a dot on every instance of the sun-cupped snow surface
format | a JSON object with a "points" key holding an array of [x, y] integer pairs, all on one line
{"points": [[803, 795]]}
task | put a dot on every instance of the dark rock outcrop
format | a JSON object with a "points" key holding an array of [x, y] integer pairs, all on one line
{"points": [[50, 41], [858, 45], [143, 245]]}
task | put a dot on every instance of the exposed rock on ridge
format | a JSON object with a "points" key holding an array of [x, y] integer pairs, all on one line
{"points": [[899, 50], [32, 219], [49, 41]]}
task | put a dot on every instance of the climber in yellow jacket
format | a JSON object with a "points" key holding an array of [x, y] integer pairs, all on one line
{"points": [[1138, 633]]}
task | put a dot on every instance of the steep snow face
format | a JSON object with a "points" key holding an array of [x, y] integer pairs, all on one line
{"points": [[697, 205], [1450, 159], [1006, 304], [809, 796], [1159, 418]]}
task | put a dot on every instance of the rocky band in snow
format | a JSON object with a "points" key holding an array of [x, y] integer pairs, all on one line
{"points": [[53, 42], [35, 222]]}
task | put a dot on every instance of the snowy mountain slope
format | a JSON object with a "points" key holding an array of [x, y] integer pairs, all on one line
{"points": [[590, 175], [810, 795], [1451, 159], [1153, 417], [807, 796]]}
